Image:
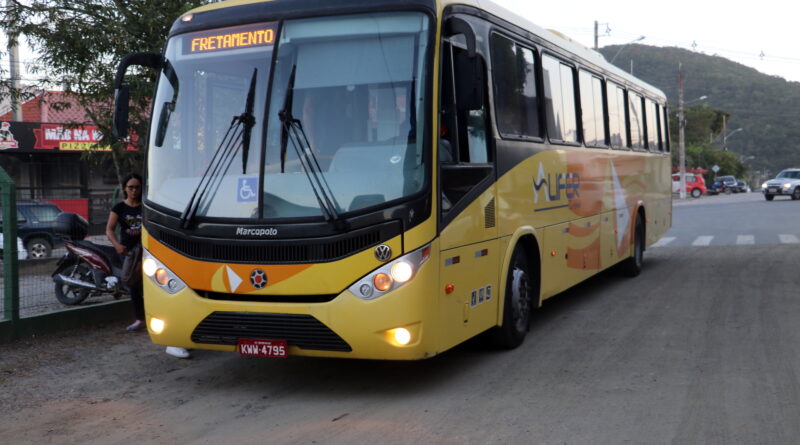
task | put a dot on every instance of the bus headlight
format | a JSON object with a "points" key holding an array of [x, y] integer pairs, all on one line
{"points": [[392, 275], [160, 274]]}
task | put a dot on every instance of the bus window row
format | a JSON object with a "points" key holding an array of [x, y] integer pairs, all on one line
{"points": [[609, 114]]}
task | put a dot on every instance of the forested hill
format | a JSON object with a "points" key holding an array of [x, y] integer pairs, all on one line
{"points": [[766, 107]]}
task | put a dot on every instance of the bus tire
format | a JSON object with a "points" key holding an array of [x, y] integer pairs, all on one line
{"points": [[632, 266], [517, 304]]}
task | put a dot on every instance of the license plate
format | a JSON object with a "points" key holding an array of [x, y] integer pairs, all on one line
{"points": [[251, 347], [773, 189]]}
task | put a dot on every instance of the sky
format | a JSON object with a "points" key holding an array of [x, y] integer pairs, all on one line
{"points": [[758, 35], [762, 35]]}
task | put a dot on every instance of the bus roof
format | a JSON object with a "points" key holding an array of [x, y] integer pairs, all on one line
{"points": [[558, 39], [553, 37]]}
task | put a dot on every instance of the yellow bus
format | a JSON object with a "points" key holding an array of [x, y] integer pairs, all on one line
{"points": [[385, 179]]}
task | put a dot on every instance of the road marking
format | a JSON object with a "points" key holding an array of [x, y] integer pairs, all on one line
{"points": [[664, 241], [702, 241], [745, 239], [789, 239]]}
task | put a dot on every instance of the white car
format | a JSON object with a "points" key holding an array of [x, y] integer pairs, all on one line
{"points": [[21, 253], [787, 183]]}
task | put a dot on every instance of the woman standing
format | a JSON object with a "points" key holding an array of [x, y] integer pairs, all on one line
{"points": [[128, 214]]}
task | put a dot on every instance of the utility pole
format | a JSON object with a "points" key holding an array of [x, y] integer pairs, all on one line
{"points": [[681, 135], [724, 134], [13, 59], [596, 37]]}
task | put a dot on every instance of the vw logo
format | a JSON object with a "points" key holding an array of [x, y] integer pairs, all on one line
{"points": [[258, 278], [383, 253]]}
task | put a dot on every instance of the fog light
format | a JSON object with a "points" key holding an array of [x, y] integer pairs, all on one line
{"points": [[402, 337], [382, 282], [157, 325], [402, 271], [149, 266], [162, 277]]}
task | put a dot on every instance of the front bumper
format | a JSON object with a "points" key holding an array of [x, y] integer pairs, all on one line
{"points": [[345, 327], [773, 190]]}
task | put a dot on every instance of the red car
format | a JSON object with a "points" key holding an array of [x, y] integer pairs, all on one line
{"points": [[695, 184]]}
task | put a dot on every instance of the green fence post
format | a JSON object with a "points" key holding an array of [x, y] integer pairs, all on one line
{"points": [[8, 196]]}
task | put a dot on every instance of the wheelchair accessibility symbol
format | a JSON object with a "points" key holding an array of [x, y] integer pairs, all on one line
{"points": [[246, 190]]}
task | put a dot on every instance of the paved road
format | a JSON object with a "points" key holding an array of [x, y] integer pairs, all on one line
{"points": [[702, 348], [737, 219]]}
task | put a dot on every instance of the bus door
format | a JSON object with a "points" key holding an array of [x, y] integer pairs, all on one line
{"points": [[468, 238]]}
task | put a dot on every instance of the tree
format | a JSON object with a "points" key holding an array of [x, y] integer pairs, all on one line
{"points": [[78, 45], [704, 125]]}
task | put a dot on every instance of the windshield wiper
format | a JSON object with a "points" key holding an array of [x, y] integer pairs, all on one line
{"points": [[248, 120], [237, 136], [292, 131]]}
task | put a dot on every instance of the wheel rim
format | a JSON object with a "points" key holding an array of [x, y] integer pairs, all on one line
{"points": [[520, 301], [37, 250], [796, 194], [74, 292]]}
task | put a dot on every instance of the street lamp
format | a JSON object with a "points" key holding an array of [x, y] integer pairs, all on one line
{"points": [[725, 138], [623, 47], [696, 100]]}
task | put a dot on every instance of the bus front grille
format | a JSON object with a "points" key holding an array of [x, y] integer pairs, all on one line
{"points": [[303, 331]]}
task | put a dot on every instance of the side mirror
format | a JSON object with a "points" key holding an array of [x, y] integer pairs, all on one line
{"points": [[122, 90], [469, 81], [121, 98], [457, 25], [470, 78]]}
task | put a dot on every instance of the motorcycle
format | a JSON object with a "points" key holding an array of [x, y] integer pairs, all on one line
{"points": [[87, 269]]}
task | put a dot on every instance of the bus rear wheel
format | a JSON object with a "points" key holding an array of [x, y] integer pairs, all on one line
{"points": [[517, 304]]}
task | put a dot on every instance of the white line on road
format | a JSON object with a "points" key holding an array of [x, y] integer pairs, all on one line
{"points": [[664, 241], [789, 239], [745, 239], [702, 241]]}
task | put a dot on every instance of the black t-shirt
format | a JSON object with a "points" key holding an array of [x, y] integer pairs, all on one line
{"points": [[130, 219]]}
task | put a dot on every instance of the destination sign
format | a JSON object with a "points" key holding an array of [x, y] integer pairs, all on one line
{"points": [[238, 37]]}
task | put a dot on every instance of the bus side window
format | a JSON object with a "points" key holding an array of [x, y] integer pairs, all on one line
{"points": [[463, 148]]}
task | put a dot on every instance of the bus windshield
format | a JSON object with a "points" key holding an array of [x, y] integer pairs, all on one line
{"points": [[340, 132]]}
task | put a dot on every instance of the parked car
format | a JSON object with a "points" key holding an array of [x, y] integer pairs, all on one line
{"points": [[724, 184], [695, 184], [35, 222], [21, 253], [787, 183], [743, 187]]}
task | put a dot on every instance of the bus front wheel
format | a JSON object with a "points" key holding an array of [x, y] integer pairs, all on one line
{"points": [[633, 266], [517, 304]]}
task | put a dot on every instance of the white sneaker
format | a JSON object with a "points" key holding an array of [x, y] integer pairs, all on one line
{"points": [[178, 352]]}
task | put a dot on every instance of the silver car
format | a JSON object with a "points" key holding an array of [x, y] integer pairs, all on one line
{"points": [[787, 183]]}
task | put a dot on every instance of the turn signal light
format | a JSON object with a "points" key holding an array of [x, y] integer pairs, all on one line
{"points": [[162, 277], [382, 282]]}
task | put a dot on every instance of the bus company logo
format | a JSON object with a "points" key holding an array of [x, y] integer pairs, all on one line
{"points": [[264, 232], [553, 186], [383, 252], [258, 278]]}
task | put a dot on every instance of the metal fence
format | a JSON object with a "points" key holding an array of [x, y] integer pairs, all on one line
{"points": [[27, 283]]}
